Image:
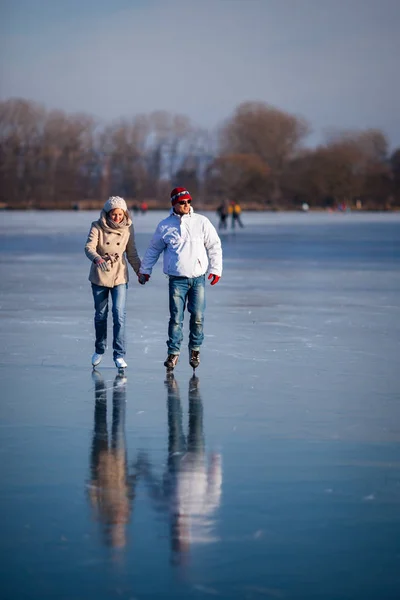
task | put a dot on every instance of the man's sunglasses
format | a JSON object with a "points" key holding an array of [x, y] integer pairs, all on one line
{"points": [[184, 202]]}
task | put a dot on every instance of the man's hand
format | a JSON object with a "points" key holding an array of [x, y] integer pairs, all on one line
{"points": [[101, 263], [143, 278], [215, 278]]}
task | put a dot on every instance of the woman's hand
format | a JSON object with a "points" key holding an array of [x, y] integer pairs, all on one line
{"points": [[101, 263]]}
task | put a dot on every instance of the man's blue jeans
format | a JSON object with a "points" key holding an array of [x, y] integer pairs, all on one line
{"points": [[118, 296], [190, 292]]}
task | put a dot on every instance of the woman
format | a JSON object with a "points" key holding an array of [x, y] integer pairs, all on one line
{"points": [[109, 240]]}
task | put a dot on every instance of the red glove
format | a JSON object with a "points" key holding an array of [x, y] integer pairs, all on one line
{"points": [[215, 278], [143, 278]]}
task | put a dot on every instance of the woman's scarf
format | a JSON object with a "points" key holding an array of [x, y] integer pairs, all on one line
{"points": [[106, 219], [114, 225]]}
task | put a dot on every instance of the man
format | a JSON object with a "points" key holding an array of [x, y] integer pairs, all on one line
{"points": [[191, 246]]}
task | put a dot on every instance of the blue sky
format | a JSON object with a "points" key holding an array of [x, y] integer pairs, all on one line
{"points": [[334, 62]]}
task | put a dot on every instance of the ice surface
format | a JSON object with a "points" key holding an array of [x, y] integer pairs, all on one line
{"points": [[274, 474]]}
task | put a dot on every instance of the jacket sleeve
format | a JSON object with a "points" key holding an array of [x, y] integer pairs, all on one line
{"points": [[156, 246], [131, 251], [212, 244], [91, 243]]}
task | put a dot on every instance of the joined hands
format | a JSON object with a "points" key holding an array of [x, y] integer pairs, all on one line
{"points": [[143, 278]]}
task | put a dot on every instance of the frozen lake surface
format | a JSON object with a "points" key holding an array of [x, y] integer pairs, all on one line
{"points": [[274, 474]]}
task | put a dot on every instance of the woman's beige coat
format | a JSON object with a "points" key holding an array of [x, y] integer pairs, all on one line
{"points": [[104, 240]]}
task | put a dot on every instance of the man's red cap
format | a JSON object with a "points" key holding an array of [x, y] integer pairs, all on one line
{"points": [[178, 194]]}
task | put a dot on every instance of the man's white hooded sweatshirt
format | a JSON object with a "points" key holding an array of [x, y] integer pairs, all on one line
{"points": [[190, 243]]}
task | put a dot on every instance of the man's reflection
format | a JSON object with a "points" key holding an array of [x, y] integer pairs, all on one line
{"points": [[111, 488], [190, 490]]}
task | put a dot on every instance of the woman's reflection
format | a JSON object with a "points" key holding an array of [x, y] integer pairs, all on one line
{"points": [[190, 490], [111, 487]]}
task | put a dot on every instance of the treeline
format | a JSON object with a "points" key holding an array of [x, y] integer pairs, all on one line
{"points": [[52, 159]]}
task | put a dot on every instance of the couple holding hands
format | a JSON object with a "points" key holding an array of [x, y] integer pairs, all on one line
{"points": [[191, 247]]}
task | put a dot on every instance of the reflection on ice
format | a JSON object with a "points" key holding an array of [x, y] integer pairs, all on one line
{"points": [[112, 488], [189, 492]]}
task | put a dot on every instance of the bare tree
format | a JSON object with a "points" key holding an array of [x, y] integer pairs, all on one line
{"points": [[169, 139], [71, 155], [395, 176], [21, 124], [43, 154], [351, 165], [239, 176], [271, 135], [122, 151]]}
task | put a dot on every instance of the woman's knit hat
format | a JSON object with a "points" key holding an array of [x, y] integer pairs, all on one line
{"points": [[115, 202]]}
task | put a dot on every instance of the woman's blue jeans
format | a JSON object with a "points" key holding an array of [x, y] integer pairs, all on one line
{"points": [[186, 292], [118, 296]]}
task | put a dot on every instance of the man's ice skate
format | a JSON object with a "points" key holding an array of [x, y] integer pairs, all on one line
{"points": [[171, 361], [194, 359]]}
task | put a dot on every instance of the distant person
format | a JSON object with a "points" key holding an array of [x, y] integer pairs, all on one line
{"points": [[235, 212], [111, 488], [191, 247], [110, 242], [222, 212], [143, 208], [135, 209]]}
